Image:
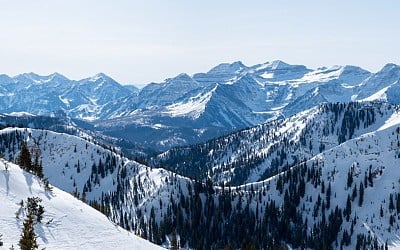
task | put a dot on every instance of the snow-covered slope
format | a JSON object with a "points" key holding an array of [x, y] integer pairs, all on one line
{"points": [[262, 151], [370, 161], [68, 223], [154, 202]]}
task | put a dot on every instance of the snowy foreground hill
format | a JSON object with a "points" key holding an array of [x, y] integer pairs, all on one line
{"points": [[344, 195], [68, 223]]}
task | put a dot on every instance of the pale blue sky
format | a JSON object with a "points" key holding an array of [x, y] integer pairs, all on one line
{"points": [[144, 41]]}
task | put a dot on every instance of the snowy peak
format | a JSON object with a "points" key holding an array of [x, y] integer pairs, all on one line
{"points": [[58, 77], [352, 75], [278, 71], [379, 82], [182, 78], [5, 79], [389, 67], [226, 68], [278, 65], [99, 77], [224, 72], [28, 78], [168, 92]]}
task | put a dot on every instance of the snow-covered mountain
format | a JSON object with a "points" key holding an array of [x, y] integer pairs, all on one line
{"points": [[41, 95], [189, 109], [67, 222], [262, 151], [342, 190]]}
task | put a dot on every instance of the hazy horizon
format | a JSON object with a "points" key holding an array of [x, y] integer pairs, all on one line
{"points": [[138, 43]]}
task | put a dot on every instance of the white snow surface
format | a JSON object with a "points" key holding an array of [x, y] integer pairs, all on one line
{"points": [[21, 114], [68, 223], [380, 95], [194, 107]]}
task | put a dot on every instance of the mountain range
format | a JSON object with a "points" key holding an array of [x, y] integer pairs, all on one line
{"points": [[241, 157], [189, 109]]}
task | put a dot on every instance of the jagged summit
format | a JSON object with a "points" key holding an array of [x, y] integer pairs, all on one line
{"points": [[227, 68], [278, 65], [99, 77], [180, 77]]}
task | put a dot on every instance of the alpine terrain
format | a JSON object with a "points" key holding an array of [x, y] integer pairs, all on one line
{"points": [[188, 109], [270, 156]]}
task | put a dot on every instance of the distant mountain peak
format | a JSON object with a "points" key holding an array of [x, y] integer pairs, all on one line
{"points": [[58, 76], [99, 76], [238, 64], [39, 79], [183, 76], [227, 67], [278, 64], [389, 67], [350, 69], [31, 76]]}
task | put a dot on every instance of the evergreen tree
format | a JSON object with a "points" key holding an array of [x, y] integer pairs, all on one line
{"points": [[349, 179], [37, 167], [28, 236], [24, 159], [354, 193], [361, 197], [391, 203], [174, 241], [328, 196], [370, 180], [348, 208]]}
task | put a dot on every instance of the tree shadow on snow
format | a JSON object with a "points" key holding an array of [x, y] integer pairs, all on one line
{"points": [[40, 232], [7, 177], [29, 181]]}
